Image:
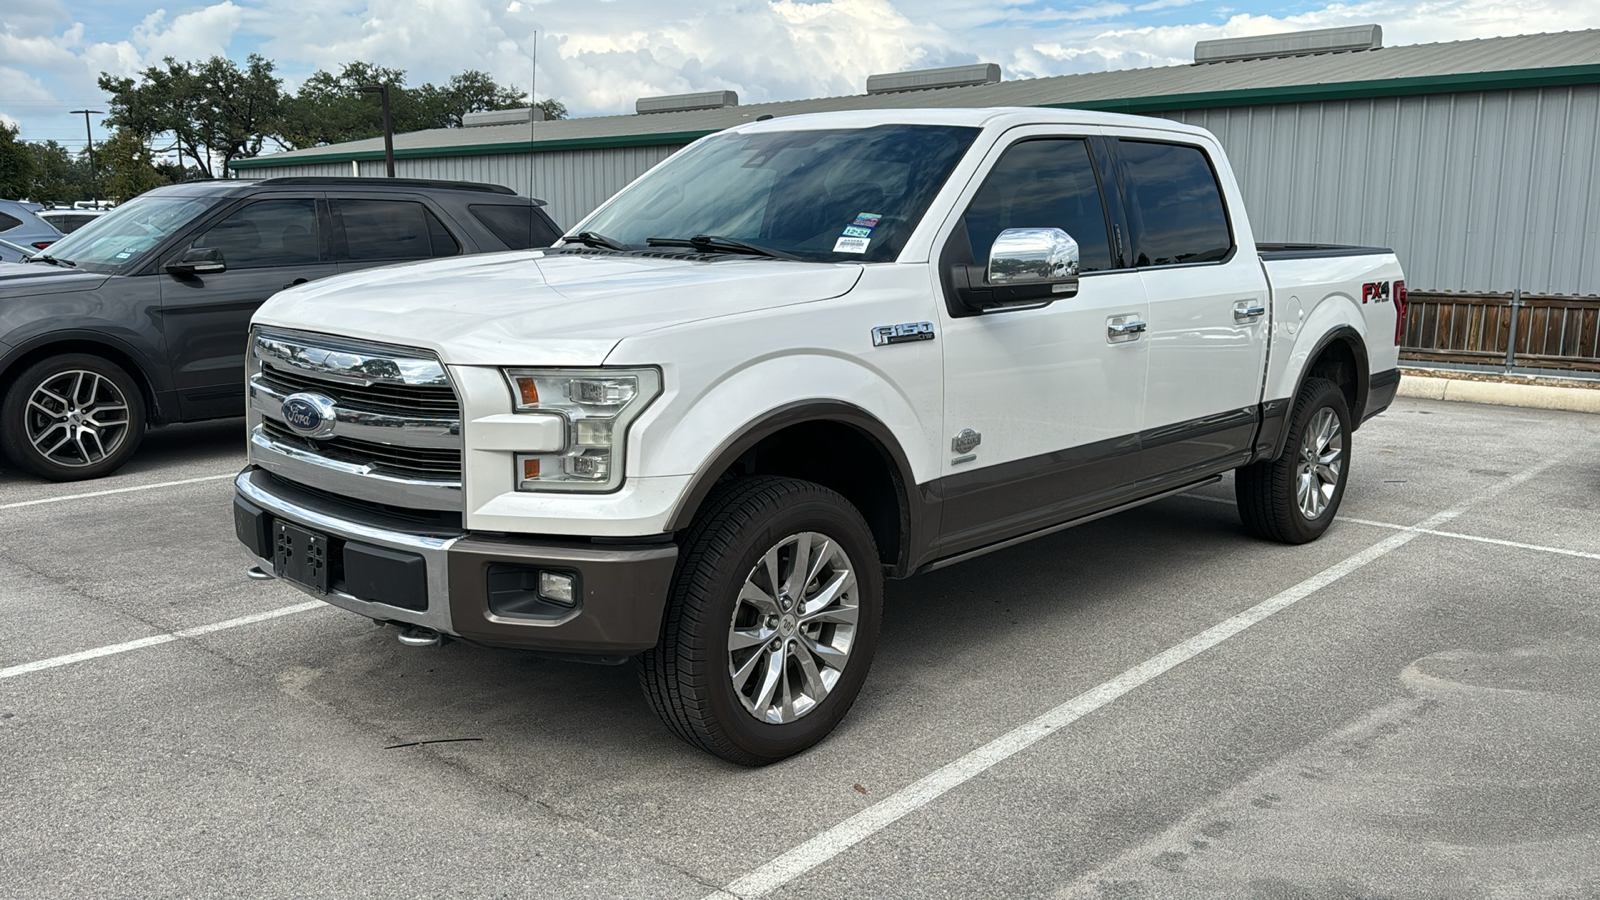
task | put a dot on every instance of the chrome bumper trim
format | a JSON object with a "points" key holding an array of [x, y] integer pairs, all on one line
{"points": [[335, 477], [434, 551]]}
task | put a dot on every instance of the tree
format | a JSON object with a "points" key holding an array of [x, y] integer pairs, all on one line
{"points": [[331, 108], [57, 176], [209, 112], [128, 168], [16, 164]]}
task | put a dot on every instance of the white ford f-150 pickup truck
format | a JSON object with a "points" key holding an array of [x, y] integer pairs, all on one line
{"points": [[797, 358]]}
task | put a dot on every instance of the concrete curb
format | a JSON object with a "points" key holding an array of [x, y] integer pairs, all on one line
{"points": [[1499, 393]]}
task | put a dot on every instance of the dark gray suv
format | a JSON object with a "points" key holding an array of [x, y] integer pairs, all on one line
{"points": [[139, 318]]}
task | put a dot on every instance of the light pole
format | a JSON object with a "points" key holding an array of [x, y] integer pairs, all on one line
{"points": [[94, 183], [382, 90]]}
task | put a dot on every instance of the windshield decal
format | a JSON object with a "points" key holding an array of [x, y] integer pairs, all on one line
{"points": [[851, 245], [858, 234]]}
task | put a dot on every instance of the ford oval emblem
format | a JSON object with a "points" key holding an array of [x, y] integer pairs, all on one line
{"points": [[310, 415]]}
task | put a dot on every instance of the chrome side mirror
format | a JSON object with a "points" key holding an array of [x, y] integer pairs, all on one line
{"points": [[1035, 256], [198, 261]]}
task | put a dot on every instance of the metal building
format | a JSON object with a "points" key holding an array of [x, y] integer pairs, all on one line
{"points": [[1477, 161]]}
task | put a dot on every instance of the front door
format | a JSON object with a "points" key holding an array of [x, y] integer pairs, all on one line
{"points": [[1043, 406], [1209, 320], [267, 245]]}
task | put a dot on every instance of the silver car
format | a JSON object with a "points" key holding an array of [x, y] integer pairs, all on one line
{"points": [[22, 232]]}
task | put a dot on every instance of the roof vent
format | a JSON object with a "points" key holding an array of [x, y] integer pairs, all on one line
{"points": [[502, 117], [1294, 43], [927, 79], [685, 102]]}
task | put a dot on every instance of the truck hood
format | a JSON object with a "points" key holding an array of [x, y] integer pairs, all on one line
{"points": [[530, 308]]}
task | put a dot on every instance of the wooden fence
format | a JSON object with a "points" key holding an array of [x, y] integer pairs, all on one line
{"points": [[1508, 330]]}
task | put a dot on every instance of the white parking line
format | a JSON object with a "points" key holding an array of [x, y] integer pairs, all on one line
{"points": [[880, 815], [1447, 534], [124, 490], [155, 640], [1473, 537]]}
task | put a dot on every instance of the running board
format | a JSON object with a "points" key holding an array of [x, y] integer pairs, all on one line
{"points": [[1022, 539]]}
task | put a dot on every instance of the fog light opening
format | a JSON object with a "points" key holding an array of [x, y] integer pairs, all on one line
{"points": [[558, 587]]}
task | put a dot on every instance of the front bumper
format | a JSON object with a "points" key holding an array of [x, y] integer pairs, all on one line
{"points": [[426, 570]]}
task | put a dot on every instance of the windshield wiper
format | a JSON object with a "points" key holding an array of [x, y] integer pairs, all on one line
{"points": [[45, 257], [595, 239], [716, 243]]}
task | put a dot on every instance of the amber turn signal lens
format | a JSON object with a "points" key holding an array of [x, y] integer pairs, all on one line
{"points": [[529, 390], [530, 469]]}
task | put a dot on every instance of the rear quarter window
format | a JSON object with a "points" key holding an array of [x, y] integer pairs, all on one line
{"points": [[518, 227], [1174, 205], [8, 222]]}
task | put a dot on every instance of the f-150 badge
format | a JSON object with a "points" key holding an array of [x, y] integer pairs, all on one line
{"points": [[902, 334]]}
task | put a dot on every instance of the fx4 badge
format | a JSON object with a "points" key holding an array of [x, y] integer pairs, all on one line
{"points": [[966, 442], [902, 334], [1375, 292]]}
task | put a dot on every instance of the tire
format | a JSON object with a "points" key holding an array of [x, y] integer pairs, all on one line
{"points": [[1294, 498], [71, 417], [721, 597]]}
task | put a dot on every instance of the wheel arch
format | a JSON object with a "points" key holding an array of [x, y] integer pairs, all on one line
{"points": [[125, 356], [1340, 356], [838, 445]]}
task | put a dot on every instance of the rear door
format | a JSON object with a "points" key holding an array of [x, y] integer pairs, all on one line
{"points": [[1043, 406], [378, 229], [1208, 320], [268, 243]]}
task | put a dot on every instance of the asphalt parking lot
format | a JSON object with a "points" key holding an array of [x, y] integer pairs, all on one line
{"points": [[1151, 705]]}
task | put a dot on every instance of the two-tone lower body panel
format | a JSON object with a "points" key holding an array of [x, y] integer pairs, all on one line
{"points": [[394, 566]]}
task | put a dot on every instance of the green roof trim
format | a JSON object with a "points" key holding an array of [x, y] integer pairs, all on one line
{"points": [[1555, 76], [1347, 90], [594, 143]]}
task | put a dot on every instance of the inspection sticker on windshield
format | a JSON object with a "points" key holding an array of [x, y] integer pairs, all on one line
{"points": [[858, 234], [851, 245], [868, 220]]}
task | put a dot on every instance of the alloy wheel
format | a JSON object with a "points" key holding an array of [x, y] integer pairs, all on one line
{"points": [[1321, 461], [76, 418], [793, 627]]}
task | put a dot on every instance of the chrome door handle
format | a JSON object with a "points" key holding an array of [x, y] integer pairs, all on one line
{"points": [[1245, 310], [1125, 329]]}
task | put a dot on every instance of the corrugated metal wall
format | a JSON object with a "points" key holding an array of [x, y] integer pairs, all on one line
{"points": [[572, 182], [1489, 191]]}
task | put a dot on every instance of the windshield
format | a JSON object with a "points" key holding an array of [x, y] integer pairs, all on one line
{"points": [[836, 195], [120, 237]]}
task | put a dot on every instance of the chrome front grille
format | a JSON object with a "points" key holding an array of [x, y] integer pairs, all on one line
{"points": [[387, 425], [437, 401], [421, 463]]}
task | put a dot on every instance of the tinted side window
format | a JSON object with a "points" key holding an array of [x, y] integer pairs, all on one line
{"points": [[8, 222], [267, 233], [391, 229], [1175, 206], [1042, 184], [519, 227]]}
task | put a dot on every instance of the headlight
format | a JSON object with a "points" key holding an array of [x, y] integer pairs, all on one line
{"points": [[597, 405]]}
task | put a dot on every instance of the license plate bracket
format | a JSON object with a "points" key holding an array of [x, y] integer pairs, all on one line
{"points": [[300, 555]]}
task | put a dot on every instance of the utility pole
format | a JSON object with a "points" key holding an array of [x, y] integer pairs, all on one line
{"points": [[94, 182], [382, 90]]}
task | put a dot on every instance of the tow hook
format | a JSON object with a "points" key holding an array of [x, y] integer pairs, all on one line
{"points": [[257, 573], [417, 636]]}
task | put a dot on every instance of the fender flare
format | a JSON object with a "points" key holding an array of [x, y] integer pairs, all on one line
{"points": [[1358, 349], [918, 515], [152, 381]]}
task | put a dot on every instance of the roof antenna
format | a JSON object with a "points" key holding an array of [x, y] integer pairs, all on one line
{"points": [[533, 87]]}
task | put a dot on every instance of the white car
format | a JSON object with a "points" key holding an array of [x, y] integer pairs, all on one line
{"points": [[797, 358]]}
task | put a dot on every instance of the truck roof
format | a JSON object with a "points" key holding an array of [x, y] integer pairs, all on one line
{"points": [[984, 117]]}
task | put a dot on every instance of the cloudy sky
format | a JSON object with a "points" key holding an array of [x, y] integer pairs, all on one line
{"points": [[597, 56]]}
